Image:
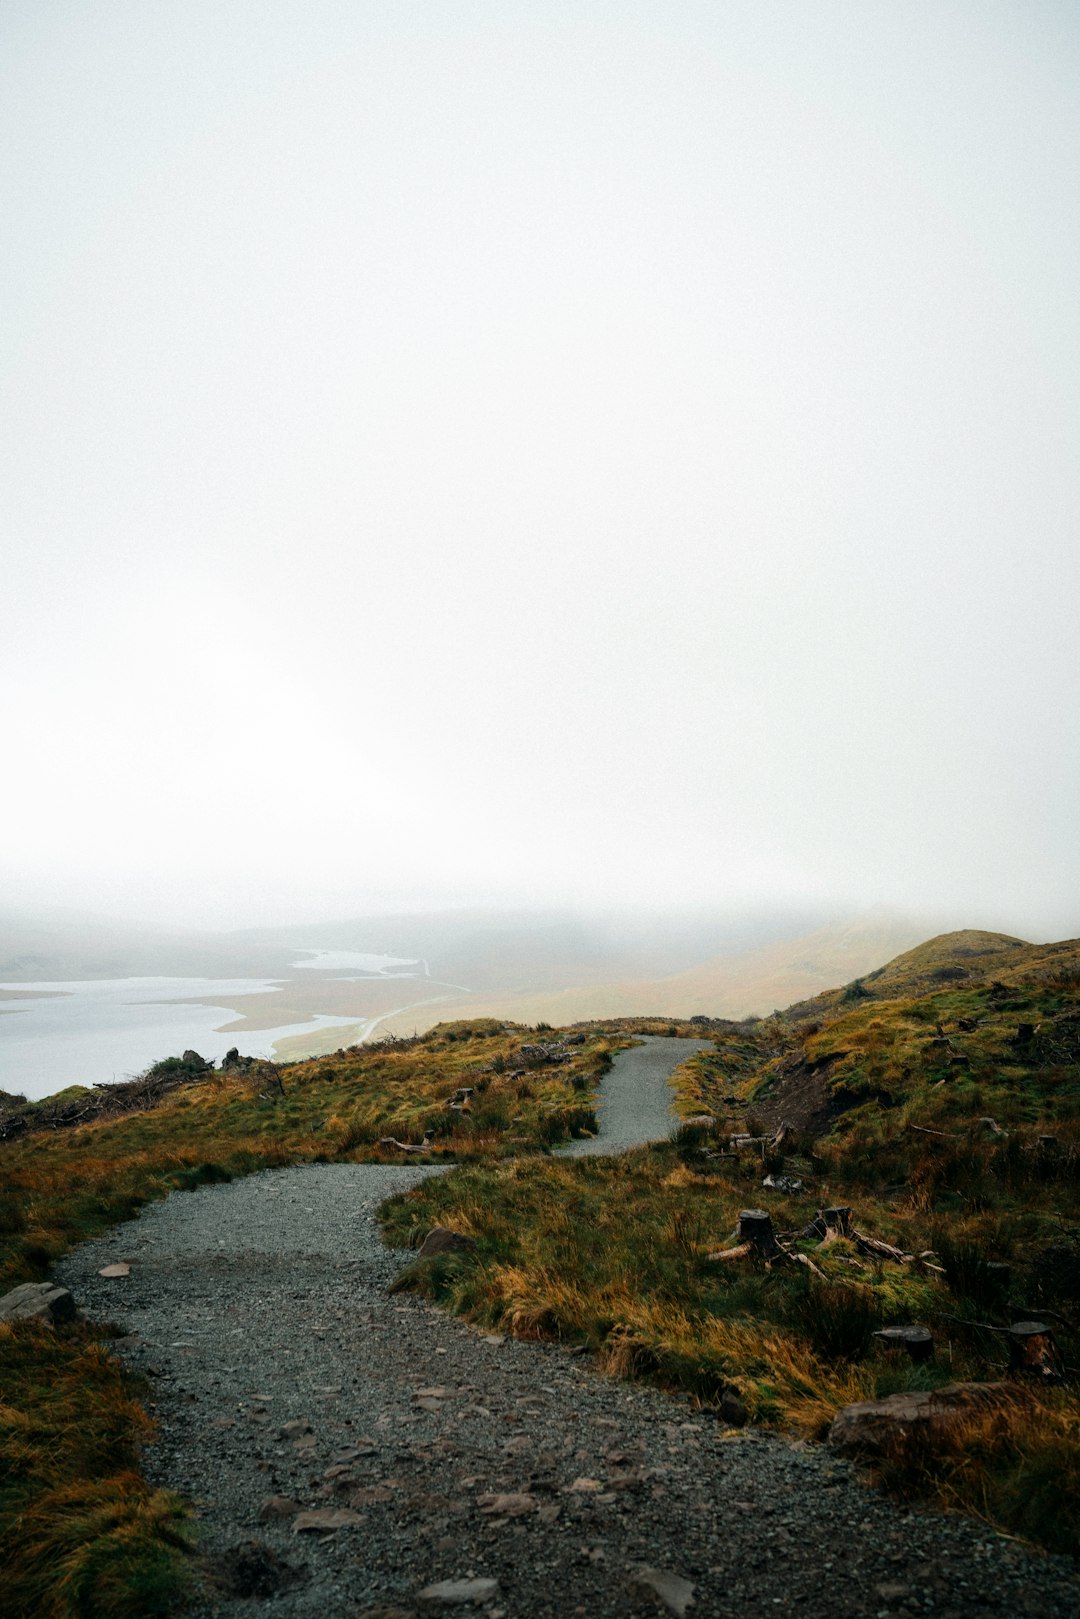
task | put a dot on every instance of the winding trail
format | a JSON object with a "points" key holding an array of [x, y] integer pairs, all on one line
{"points": [[635, 1102], [282, 1367]]}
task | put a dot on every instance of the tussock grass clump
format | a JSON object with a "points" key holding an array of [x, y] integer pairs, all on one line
{"points": [[1016, 1463], [838, 1319], [83, 1532]]}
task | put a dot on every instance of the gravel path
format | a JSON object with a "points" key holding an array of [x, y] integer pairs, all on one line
{"points": [[635, 1103], [282, 1368]]}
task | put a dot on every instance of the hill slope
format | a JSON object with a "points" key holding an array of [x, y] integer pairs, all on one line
{"points": [[967, 956]]}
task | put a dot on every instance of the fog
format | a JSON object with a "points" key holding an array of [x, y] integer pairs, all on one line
{"points": [[540, 454]]}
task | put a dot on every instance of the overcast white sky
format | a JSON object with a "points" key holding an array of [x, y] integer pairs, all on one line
{"points": [[506, 450]]}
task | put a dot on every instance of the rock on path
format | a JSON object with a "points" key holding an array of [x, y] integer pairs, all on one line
{"points": [[350, 1452]]}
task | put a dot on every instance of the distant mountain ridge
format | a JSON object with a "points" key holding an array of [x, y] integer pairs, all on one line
{"points": [[736, 984]]}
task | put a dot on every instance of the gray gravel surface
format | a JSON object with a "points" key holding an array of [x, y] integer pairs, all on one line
{"points": [[635, 1102], [282, 1367]]}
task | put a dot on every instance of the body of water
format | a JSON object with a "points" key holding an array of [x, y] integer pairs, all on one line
{"points": [[359, 961], [98, 1030]]}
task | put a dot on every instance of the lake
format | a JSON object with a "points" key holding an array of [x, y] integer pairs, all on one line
{"points": [[98, 1030]]}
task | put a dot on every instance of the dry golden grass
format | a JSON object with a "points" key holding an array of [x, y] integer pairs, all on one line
{"points": [[62, 1187], [84, 1534]]}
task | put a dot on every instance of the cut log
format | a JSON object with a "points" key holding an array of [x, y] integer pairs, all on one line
{"points": [[916, 1342], [1033, 1352]]}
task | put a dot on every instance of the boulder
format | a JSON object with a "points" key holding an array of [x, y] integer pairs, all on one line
{"points": [[875, 1427], [441, 1241], [37, 1301]]}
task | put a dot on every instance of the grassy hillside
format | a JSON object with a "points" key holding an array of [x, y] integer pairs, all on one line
{"points": [[965, 957], [948, 1121], [937, 1096]]}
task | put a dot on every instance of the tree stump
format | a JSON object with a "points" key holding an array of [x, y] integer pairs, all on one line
{"points": [[1033, 1352], [756, 1227], [837, 1222], [917, 1342]]}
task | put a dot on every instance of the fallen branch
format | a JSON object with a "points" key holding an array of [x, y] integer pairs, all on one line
{"points": [[724, 1254], [881, 1250], [409, 1146], [1053, 1315], [981, 1326], [804, 1259]]}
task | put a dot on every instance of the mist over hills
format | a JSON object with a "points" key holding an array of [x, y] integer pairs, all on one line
{"points": [[483, 948], [403, 973], [738, 982]]}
